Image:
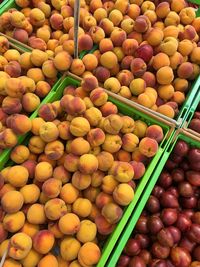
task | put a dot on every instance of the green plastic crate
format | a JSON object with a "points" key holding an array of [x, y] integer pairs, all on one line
{"points": [[3, 3], [7, 5], [145, 196], [192, 109], [126, 110]]}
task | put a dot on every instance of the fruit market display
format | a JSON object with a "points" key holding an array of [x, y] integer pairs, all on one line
{"points": [[148, 51], [66, 187], [167, 233], [69, 185]]}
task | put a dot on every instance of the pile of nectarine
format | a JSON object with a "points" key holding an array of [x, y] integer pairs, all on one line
{"points": [[68, 187]]}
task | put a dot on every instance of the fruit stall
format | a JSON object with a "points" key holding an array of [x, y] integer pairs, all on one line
{"points": [[99, 133]]}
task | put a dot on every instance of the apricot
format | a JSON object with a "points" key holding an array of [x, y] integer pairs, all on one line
{"points": [[101, 73], [169, 46], [12, 201], [194, 56], [118, 36], [105, 160], [166, 91], [90, 62], [142, 24], [38, 57], [28, 83], [82, 207], [14, 222], [20, 245], [129, 142], [4, 44], [71, 162], [93, 254], [148, 146], [36, 145], [178, 97], [43, 241], [91, 193], [48, 131], [53, 227], [69, 193], [109, 184], [102, 199], [185, 70], [30, 102], [89, 82], [20, 154], [138, 67], [81, 181], [35, 74], [13, 69], [146, 99], [69, 248], [37, 17], [19, 123], [123, 155], [187, 15], [48, 259], [107, 25], [49, 69], [43, 33], [62, 61], [172, 18], [112, 84], [185, 47], [80, 146], [108, 60], [180, 84], [160, 60], [138, 167], [30, 229], [54, 150], [77, 67], [45, 8], [55, 209], [14, 87], [43, 171], [171, 31], [123, 194], [36, 209], [103, 226], [155, 36], [122, 171], [69, 224], [166, 110], [165, 75], [12, 55], [11, 263], [51, 188], [176, 60], [162, 9], [30, 193], [88, 163], [8, 138], [56, 21], [79, 126], [155, 132], [112, 143], [112, 212], [32, 259], [137, 86]]}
